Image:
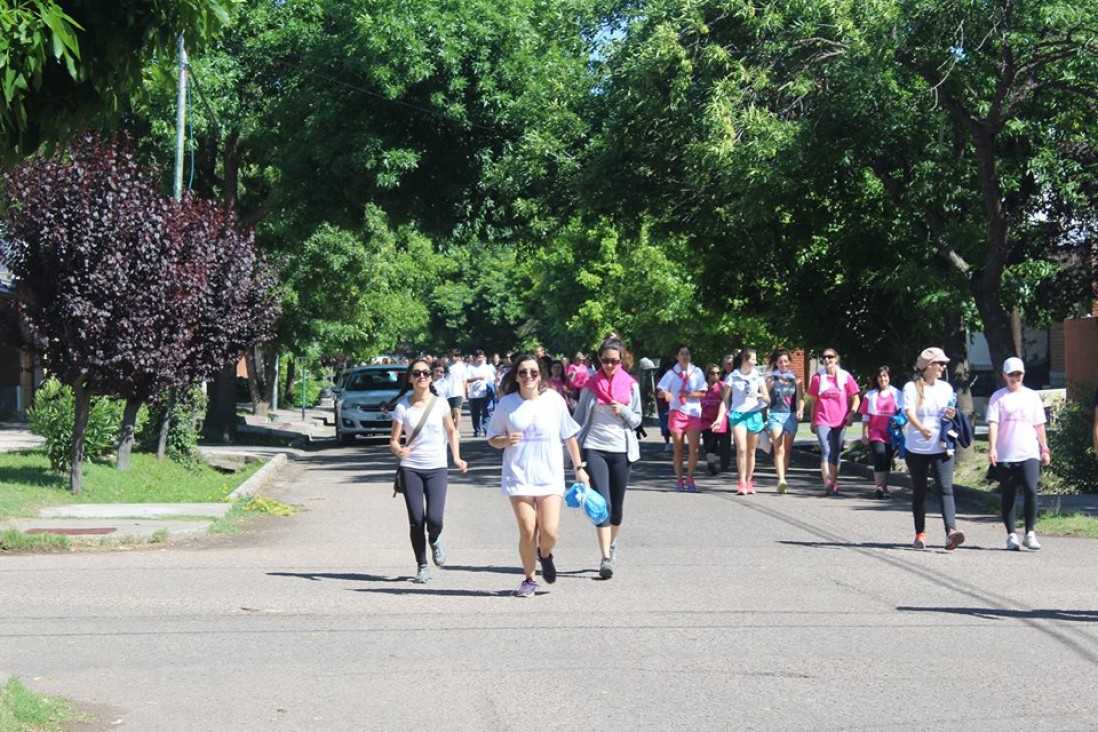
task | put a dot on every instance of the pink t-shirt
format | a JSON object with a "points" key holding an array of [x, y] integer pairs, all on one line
{"points": [[877, 427], [1017, 413], [833, 401]]}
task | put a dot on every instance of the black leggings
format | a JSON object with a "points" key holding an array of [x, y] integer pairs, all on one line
{"points": [[609, 473], [882, 456], [420, 484], [942, 467], [1013, 475], [478, 409]]}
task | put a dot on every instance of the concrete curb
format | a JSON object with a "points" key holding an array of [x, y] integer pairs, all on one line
{"points": [[262, 476]]}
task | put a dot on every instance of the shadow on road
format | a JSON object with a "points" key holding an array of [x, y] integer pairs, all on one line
{"points": [[878, 545], [1080, 616]]}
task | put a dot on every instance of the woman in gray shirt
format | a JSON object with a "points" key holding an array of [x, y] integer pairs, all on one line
{"points": [[609, 411]]}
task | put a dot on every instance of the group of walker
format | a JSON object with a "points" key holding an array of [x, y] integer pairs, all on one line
{"points": [[533, 426], [923, 415]]}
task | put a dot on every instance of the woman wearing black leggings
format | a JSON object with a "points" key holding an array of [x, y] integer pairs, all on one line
{"points": [[609, 410], [426, 420], [1017, 448]]}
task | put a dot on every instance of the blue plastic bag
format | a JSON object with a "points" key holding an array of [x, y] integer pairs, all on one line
{"points": [[593, 504]]}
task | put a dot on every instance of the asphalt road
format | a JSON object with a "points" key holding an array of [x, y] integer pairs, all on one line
{"points": [[795, 612]]}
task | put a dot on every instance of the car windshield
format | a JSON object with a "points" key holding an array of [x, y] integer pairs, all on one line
{"points": [[374, 380]]}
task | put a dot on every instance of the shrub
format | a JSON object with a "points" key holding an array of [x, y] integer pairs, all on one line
{"points": [[53, 417], [185, 427], [1074, 465]]}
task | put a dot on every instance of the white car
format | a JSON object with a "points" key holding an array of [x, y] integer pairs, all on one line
{"points": [[364, 395]]}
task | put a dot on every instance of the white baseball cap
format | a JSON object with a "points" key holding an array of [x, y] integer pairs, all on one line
{"points": [[1013, 365]]}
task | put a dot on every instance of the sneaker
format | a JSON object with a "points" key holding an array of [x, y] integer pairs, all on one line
{"points": [[680, 486], [1030, 542], [879, 491], [954, 539], [422, 575], [438, 554], [827, 489], [527, 588], [1012, 543], [548, 568], [783, 487], [691, 486], [741, 488], [711, 464], [751, 487], [606, 569], [614, 552], [667, 447], [920, 541], [833, 490]]}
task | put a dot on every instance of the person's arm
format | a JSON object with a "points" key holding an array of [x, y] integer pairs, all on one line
{"points": [[764, 392], [855, 404], [992, 437], [401, 451], [798, 407], [578, 466], [629, 413], [454, 439], [913, 420], [1042, 440], [722, 410]]}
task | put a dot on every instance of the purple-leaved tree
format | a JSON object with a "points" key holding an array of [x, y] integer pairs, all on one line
{"points": [[129, 293]]}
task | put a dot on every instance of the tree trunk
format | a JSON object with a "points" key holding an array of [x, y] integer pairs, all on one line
{"points": [[79, 431], [221, 410], [291, 377], [270, 377], [253, 358], [125, 440], [165, 426], [1003, 340]]}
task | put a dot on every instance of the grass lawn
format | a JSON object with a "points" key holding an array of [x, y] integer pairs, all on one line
{"points": [[22, 710], [27, 483], [1067, 524]]}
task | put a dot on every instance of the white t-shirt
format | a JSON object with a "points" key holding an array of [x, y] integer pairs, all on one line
{"points": [[442, 387], [479, 388], [429, 448], [672, 381], [457, 375], [535, 466], [1017, 413], [744, 388], [935, 401]]}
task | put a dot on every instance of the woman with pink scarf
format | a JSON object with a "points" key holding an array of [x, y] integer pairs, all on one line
{"points": [[609, 411]]}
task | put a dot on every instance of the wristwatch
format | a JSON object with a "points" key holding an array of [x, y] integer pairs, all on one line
{"points": [[582, 466]]}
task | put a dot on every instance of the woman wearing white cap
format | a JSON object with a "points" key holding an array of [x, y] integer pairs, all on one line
{"points": [[926, 400], [1018, 447]]}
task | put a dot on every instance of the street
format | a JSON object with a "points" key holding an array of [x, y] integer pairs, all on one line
{"points": [[766, 612]]}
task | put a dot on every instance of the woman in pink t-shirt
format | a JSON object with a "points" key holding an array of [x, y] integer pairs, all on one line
{"points": [[835, 400], [878, 407]]}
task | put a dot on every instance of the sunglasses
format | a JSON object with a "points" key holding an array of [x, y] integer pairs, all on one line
{"points": [[419, 374], [611, 361], [529, 373], [829, 357]]}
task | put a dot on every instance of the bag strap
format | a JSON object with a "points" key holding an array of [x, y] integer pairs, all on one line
{"points": [[423, 419]]}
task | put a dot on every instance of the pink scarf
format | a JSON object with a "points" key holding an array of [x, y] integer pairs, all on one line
{"points": [[619, 390]]}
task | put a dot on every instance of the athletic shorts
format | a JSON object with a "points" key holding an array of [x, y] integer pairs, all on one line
{"points": [[455, 402], [784, 421], [681, 422], [753, 421]]}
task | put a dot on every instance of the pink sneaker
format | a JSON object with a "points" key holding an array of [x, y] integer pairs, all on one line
{"points": [[741, 490], [751, 486], [691, 487]]}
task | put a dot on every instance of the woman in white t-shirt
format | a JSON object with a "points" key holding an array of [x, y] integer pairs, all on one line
{"points": [[683, 387], [531, 424], [423, 461], [1017, 448], [926, 400]]}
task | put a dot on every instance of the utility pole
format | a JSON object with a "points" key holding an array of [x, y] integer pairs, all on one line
{"points": [[180, 119]]}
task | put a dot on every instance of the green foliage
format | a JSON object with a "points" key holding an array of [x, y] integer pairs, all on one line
{"points": [[22, 710], [12, 540], [1074, 465], [62, 62], [184, 428], [53, 417]]}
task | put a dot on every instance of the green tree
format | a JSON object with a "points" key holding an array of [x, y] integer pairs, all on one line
{"points": [[64, 63]]}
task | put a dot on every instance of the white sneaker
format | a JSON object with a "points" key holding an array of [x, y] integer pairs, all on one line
{"points": [[1030, 542], [1012, 543]]}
